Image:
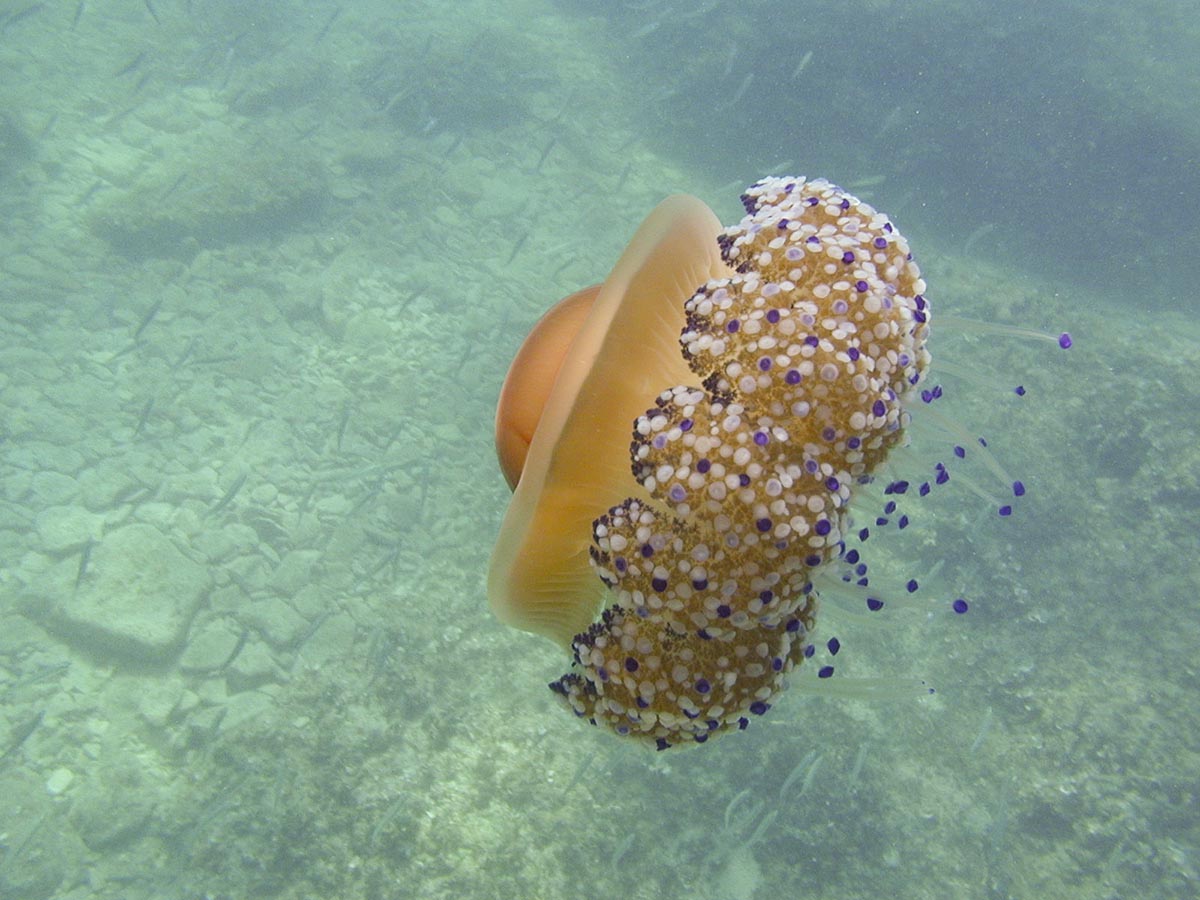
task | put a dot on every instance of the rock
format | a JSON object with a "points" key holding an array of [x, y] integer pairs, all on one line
{"points": [[45, 857], [46, 456], [62, 529], [367, 329], [137, 600], [110, 815], [106, 486], [222, 544], [253, 667], [248, 706], [156, 701], [203, 724], [334, 639], [279, 624], [188, 702], [294, 571], [311, 601], [210, 648], [54, 488], [58, 782]]}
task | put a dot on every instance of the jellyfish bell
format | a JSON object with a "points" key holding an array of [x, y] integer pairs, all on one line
{"points": [[590, 367], [532, 375]]}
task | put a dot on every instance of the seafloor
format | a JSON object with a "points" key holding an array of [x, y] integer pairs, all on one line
{"points": [[260, 278]]}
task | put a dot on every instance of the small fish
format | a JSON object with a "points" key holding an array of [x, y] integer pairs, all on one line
{"points": [[394, 436], [118, 116], [455, 144], [328, 24], [307, 498], [130, 66], [802, 65], [85, 557], [740, 92], [342, 423], [144, 417], [729, 60], [134, 493], [228, 67], [21, 733], [187, 352], [402, 94], [313, 627], [21, 15], [89, 193], [174, 186], [229, 495], [517, 247], [624, 176], [237, 648], [148, 317], [645, 31], [545, 153], [37, 677]]}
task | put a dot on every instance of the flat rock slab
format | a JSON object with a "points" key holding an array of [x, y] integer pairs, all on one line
{"points": [[138, 598]]}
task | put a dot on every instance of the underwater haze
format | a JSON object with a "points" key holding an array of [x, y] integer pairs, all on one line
{"points": [[263, 268]]}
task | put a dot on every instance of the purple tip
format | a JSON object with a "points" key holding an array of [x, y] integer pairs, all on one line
{"points": [[823, 672], [1064, 341], [1005, 510], [1018, 489], [874, 605], [912, 585], [834, 646], [961, 606]]}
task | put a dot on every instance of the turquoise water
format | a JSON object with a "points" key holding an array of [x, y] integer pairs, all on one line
{"points": [[262, 270]]}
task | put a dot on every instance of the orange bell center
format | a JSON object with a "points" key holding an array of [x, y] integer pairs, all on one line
{"points": [[532, 375]]}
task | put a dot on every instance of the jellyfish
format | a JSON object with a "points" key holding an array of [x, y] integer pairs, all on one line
{"points": [[684, 442]]}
